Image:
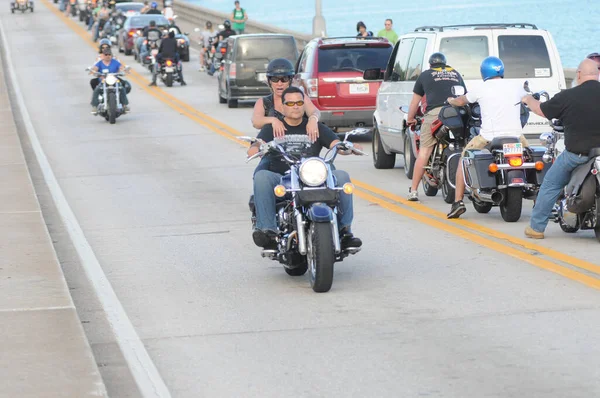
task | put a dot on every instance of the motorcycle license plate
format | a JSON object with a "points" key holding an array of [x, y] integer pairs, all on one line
{"points": [[261, 77], [359, 88], [169, 69], [513, 149]]}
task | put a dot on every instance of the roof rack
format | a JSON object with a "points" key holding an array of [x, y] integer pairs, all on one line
{"points": [[476, 26], [354, 37]]}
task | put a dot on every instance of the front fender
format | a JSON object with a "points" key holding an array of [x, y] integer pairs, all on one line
{"points": [[319, 212]]}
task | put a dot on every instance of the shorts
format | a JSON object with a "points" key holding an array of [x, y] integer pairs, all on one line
{"points": [[427, 139], [478, 142]]}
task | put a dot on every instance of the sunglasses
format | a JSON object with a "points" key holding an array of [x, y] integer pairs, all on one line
{"points": [[292, 103], [277, 79]]}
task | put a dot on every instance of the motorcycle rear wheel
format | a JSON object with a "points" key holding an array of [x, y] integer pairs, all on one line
{"points": [[169, 80], [511, 206], [320, 256], [482, 207]]}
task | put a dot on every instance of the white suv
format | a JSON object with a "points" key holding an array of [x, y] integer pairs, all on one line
{"points": [[528, 53]]}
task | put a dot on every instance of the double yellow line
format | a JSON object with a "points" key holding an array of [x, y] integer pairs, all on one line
{"points": [[573, 268]]}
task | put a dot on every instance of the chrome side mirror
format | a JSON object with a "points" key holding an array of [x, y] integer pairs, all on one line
{"points": [[547, 138]]}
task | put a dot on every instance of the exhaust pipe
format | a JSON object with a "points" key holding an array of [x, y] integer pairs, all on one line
{"points": [[494, 197]]}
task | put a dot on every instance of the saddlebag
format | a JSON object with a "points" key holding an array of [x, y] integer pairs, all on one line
{"points": [[451, 118], [478, 174], [585, 197], [534, 176]]}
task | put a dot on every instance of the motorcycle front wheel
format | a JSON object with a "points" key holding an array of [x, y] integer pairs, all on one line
{"points": [[112, 107], [320, 256]]}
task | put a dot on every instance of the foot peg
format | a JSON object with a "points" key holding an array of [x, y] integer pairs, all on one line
{"points": [[352, 250]]}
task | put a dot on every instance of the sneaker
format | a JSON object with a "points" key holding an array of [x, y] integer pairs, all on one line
{"points": [[126, 108], [183, 83], [533, 234], [202, 69], [348, 239], [152, 84], [413, 196], [94, 110], [264, 239], [457, 209]]}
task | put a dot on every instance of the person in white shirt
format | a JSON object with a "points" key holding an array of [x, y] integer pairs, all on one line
{"points": [[168, 10], [500, 117]]}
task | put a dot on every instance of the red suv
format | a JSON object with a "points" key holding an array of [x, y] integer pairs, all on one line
{"points": [[331, 72]]}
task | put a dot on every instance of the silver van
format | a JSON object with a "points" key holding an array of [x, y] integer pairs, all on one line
{"points": [[528, 53]]}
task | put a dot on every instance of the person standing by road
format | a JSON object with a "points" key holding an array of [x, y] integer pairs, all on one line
{"points": [[362, 31], [577, 108], [388, 32], [436, 85], [239, 18]]}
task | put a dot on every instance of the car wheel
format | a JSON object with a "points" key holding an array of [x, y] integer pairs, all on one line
{"points": [[381, 160]]}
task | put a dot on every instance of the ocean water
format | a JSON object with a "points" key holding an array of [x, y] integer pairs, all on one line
{"points": [[573, 24]]}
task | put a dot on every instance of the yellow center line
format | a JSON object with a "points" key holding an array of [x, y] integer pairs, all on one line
{"points": [[457, 227], [489, 243]]}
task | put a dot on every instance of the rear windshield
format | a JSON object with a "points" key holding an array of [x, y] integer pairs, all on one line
{"points": [[524, 56], [353, 58], [140, 21], [267, 49], [129, 7], [465, 54]]}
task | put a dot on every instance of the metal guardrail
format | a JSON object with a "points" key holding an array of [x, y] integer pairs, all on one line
{"points": [[199, 15]]}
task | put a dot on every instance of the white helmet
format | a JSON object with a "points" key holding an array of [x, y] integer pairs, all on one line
{"points": [[168, 3]]}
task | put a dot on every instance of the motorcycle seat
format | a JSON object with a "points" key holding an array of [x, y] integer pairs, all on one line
{"points": [[594, 152], [498, 142]]}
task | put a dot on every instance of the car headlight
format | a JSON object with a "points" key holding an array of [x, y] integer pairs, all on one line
{"points": [[111, 80], [313, 172]]}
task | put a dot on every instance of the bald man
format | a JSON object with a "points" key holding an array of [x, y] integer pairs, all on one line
{"points": [[577, 108]]}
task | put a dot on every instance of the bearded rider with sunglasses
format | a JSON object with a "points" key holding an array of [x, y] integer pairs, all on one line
{"points": [[267, 178], [269, 109]]}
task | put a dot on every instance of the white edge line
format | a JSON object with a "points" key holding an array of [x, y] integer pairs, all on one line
{"points": [[146, 376]]}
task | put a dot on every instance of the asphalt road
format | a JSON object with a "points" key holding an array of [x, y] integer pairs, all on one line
{"points": [[433, 308]]}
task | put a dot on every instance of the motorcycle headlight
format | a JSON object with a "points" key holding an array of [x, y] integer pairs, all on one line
{"points": [[313, 172], [181, 42], [546, 138], [111, 80]]}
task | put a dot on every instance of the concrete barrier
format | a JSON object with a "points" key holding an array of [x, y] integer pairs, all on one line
{"points": [[198, 16]]}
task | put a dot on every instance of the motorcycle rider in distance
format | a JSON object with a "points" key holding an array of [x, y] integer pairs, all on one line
{"points": [[436, 85], [150, 31], [104, 44], [205, 36], [108, 65], [577, 108], [265, 180], [153, 9], [499, 116], [269, 109], [168, 10], [102, 16], [168, 49], [222, 35]]}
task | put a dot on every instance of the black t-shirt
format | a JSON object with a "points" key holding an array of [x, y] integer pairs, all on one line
{"points": [[577, 108], [168, 47], [226, 33], [276, 163], [436, 84]]}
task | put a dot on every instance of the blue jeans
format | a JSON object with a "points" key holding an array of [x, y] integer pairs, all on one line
{"points": [[555, 180], [264, 199], [98, 91]]}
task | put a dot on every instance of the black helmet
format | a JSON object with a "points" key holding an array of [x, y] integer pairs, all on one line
{"points": [[437, 59], [227, 24], [280, 67]]}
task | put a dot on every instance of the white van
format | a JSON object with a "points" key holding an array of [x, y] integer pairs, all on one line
{"points": [[528, 53]]}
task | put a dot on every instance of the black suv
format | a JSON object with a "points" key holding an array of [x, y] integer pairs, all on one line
{"points": [[243, 70]]}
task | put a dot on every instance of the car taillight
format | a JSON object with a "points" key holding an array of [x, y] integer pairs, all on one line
{"points": [[232, 71], [515, 161], [223, 50], [132, 32], [312, 86]]}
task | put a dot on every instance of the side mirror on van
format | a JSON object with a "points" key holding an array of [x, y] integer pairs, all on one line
{"points": [[458, 90], [372, 74]]}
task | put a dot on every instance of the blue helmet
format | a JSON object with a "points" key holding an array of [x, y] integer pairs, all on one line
{"points": [[491, 67], [153, 5]]}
